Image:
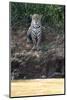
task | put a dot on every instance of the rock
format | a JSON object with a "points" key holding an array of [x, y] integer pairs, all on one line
{"points": [[29, 64]]}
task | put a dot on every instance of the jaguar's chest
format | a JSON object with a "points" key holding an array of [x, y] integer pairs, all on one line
{"points": [[36, 28]]}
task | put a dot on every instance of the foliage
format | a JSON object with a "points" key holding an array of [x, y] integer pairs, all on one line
{"points": [[53, 15]]}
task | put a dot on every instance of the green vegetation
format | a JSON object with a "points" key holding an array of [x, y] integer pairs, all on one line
{"points": [[53, 15]]}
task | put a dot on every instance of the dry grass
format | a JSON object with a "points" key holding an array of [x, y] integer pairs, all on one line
{"points": [[37, 87]]}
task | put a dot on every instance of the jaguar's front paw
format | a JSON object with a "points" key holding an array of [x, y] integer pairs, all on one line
{"points": [[28, 41], [34, 48]]}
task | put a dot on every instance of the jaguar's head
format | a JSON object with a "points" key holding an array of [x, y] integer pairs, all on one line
{"points": [[36, 17]]}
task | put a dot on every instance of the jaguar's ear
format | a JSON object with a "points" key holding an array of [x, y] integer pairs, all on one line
{"points": [[41, 16]]}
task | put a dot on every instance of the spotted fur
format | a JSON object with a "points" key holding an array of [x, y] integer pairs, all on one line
{"points": [[35, 32]]}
